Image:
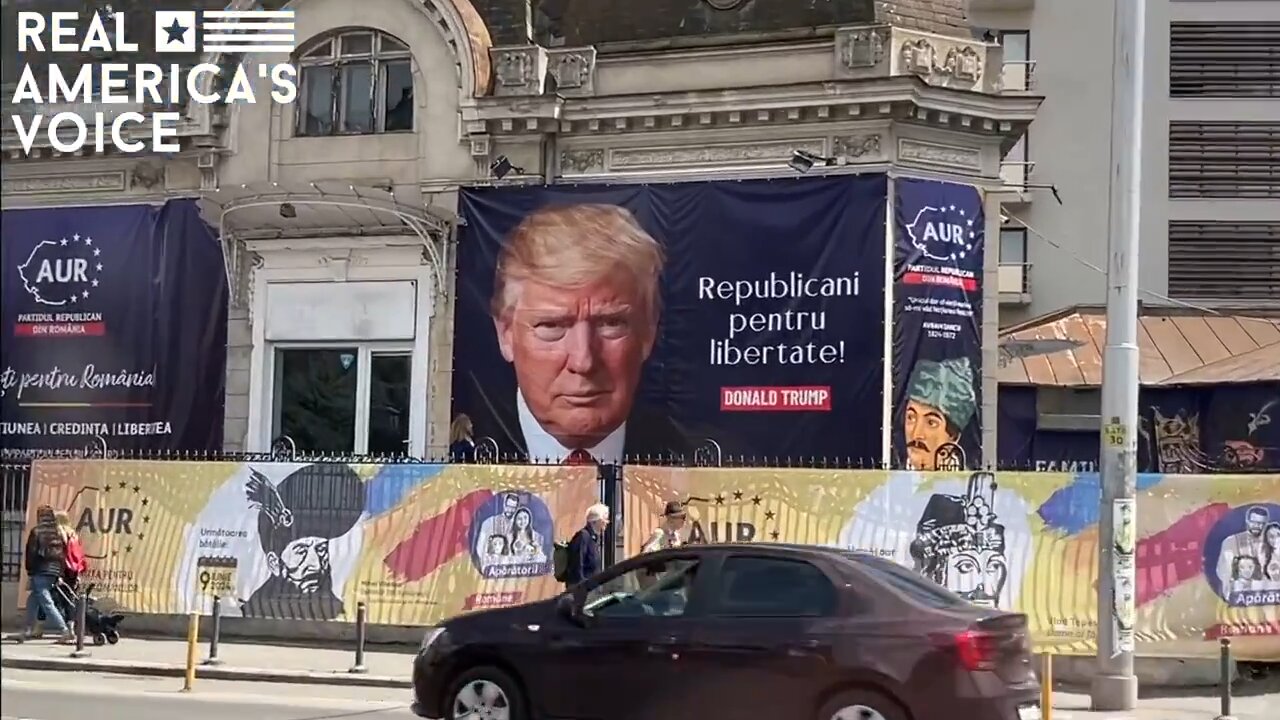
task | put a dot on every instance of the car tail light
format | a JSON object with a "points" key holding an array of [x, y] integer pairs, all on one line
{"points": [[979, 650]]}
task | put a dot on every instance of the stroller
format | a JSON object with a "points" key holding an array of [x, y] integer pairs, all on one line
{"points": [[102, 627]]}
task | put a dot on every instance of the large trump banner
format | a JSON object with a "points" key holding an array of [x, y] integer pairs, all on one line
{"points": [[1207, 548], [417, 543], [687, 320], [115, 329]]}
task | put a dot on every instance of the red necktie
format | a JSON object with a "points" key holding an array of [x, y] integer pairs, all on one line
{"points": [[579, 457]]}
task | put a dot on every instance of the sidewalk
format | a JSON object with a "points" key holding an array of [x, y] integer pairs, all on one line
{"points": [[240, 661]]}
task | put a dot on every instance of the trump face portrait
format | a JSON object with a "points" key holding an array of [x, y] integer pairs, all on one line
{"points": [[575, 307]]}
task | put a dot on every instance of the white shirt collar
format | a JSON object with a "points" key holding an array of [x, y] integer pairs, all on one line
{"points": [[540, 445]]}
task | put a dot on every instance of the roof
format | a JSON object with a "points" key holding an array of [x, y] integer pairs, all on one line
{"points": [[1176, 347]]}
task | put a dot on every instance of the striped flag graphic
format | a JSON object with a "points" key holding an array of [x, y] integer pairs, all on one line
{"points": [[242, 31]]}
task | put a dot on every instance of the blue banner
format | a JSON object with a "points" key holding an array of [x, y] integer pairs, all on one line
{"points": [[1210, 428], [937, 334], [687, 321], [115, 322]]}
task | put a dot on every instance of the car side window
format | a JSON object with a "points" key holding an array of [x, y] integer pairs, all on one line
{"points": [[919, 589], [774, 587], [658, 589]]}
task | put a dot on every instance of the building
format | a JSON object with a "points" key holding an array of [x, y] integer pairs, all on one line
{"points": [[1210, 239], [1210, 223], [337, 214]]}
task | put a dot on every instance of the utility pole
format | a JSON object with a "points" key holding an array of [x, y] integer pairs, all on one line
{"points": [[1114, 686]]}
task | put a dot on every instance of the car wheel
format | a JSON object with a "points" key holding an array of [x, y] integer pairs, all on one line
{"points": [[485, 693], [861, 705]]}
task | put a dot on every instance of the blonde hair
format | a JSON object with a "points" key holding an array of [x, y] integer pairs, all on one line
{"points": [[64, 523], [573, 246], [461, 429], [598, 511]]}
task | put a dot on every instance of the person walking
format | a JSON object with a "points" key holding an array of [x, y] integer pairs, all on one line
{"points": [[76, 563], [585, 548], [667, 535], [462, 444], [45, 559]]}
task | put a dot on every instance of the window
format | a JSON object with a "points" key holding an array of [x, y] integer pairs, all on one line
{"points": [[770, 587], [355, 83], [343, 400], [1013, 246], [915, 587], [656, 589], [1017, 45]]}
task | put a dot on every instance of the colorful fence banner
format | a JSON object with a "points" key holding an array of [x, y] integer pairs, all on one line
{"points": [[115, 329], [417, 543], [939, 236], [668, 320], [1207, 549]]}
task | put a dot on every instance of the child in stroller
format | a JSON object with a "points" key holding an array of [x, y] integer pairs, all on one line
{"points": [[102, 627]]}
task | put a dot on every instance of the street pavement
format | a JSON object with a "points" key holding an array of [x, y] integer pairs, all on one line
{"points": [[35, 695], [301, 683]]}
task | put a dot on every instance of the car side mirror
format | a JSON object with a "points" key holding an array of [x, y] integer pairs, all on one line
{"points": [[567, 606]]}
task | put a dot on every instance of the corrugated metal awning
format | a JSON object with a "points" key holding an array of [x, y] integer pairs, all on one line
{"points": [[1177, 347]]}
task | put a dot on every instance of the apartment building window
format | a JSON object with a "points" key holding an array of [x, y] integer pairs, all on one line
{"points": [[1017, 59], [1224, 159], [355, 83], [1013, 246], [1224, 59], [1224, 261]]}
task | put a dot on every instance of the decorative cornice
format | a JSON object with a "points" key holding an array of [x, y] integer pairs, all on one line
{"points": [[938, 155], [574, 70], [17, 185], [860, 49], [519, 71]]}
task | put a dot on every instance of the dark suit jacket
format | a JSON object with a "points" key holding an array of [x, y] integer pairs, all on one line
{"points": [[584, 556], [650, 434]]}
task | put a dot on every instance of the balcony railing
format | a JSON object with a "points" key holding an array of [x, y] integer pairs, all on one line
{"points": [[1019, 76], [1015, 282]]}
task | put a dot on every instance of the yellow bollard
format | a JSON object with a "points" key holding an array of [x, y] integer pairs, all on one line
{"points": [[193, 639], [1046, 686]]}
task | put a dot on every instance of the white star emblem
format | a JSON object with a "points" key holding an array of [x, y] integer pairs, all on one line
{"points": [[76, 237], [75, 298], [95, 280], [96, 252], [972, 234], [99, 269], [64, 242], [85, 294], [962, 212], [970, 222], [953, 208], [88, 241]]}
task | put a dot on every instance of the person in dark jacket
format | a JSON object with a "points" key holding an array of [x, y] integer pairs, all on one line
{"points": [[46, 560], [585, 547]]}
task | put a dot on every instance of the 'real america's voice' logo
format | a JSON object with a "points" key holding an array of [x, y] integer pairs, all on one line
{"points": [[62, 273], [944, 233]]}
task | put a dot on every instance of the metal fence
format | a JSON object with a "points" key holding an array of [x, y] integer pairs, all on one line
{"points": [[15, 476]]}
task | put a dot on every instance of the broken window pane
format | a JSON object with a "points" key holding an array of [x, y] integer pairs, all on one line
{"points": [[398, 93]]}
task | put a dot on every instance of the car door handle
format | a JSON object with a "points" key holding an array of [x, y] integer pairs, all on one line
{"points": [[664, 644], [806, 648]]}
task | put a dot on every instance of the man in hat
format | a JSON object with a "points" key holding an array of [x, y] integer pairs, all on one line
{"points": [[296, 521], [668, 534], [940, 403]]}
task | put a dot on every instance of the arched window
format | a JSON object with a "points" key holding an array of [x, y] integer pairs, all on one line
{"points": [[356, 82]]}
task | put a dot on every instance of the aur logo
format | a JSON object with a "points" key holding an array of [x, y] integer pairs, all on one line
{"points": [[944, 233], [111, 519], [732, 517], [63, 272]]}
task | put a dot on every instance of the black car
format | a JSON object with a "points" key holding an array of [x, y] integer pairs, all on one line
{"points": [[734, 631]]}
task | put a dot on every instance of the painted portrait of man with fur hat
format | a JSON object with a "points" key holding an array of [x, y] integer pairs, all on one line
{"points": [[941, 402], [297, 520]]}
